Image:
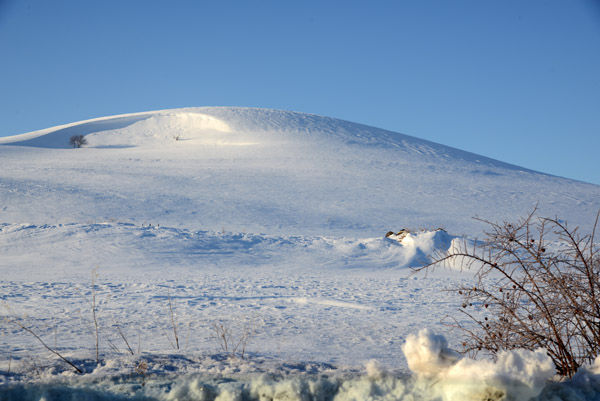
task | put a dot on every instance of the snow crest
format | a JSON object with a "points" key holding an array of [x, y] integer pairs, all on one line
{"points": [[166, 128]]}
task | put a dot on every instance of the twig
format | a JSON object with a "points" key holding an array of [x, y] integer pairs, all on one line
{"points": [[58, 354], [124, 339], [94, 308], [174, 323]]}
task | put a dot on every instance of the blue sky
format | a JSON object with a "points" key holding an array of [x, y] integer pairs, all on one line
{"points": [[514, 80]]}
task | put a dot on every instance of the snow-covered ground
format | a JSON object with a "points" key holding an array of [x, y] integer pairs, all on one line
{"points": [[267, 223]]}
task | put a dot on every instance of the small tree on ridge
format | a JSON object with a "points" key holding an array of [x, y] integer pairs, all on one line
{"points": [[77, 141]]}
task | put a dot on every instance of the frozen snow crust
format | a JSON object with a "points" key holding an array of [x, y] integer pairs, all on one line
{"points": [[262, 219]]}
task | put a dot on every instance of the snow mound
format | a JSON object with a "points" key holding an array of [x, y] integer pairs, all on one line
{"points": [[428, 354], [516, 375], [166, 128], [418, 248]]}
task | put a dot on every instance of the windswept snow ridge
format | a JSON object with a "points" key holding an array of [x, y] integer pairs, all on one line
{"points": [[270, 225]]}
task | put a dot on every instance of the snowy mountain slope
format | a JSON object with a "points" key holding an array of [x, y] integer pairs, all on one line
{"points": [[268, 171], [242, 216]]}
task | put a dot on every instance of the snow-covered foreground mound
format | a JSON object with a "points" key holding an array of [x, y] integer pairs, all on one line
{"points": [[438, 373]]}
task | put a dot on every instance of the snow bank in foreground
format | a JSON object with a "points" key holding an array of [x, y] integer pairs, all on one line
{"points": [[439, 374], [517, 374]]}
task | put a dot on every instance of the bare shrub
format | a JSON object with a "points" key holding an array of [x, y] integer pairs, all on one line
{"points": [[231, 341], [77, 141], [538, 285]]}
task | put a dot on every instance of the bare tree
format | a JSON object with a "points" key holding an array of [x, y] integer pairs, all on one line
{"points": [[538, 285], [77, 141]]}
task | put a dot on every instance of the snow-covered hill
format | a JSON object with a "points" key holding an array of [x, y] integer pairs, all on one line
{"points": [[250, 218], [267, 171]]}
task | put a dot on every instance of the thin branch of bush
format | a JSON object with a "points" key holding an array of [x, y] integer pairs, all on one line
{"points": [[174, 326], [94, 314], [124, 338], [121, 334], [113, 347], [538, 285], [52, 350]]}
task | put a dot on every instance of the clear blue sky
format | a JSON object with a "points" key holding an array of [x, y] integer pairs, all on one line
{"points": [[514, 80]]}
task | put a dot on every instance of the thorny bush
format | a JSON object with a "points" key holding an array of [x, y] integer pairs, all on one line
{"points": [[538, 285]]}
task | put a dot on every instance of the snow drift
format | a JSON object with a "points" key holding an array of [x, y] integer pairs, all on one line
{"points": [[516, 375]]}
